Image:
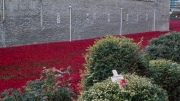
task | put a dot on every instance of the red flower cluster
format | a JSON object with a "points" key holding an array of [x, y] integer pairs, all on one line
{"points": [[23, 63], [174, 25], [123, 83]]}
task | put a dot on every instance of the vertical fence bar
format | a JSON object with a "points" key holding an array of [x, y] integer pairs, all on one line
{"points": [[41, 14], [121, 22], [154, 22], [70, 31]]}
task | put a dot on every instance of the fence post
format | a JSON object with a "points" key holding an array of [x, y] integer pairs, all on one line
{"points": [[41, 14], [154, 22], [121, 22], [70, 31]]}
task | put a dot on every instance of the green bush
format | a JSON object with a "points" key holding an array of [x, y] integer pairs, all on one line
{"points": [[137, 89], [47, 88], [107, 54], [165, 47], [166, 74]]}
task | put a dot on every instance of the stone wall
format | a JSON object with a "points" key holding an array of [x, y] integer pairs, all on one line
{"points": [[41, 21]]}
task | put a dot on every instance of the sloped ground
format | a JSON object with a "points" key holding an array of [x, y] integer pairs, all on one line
{"points": [[23, 63]]}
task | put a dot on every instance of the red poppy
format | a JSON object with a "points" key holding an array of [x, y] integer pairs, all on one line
{"points": [[23, 63], [123, 83]]}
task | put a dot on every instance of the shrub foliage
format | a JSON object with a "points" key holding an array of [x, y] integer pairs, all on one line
{"points": [[166, 73], [47, 88], [107, 54], [137, 89], [165, 47]]}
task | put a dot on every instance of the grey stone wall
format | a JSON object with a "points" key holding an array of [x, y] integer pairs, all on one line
{"points": [[41, 21]]}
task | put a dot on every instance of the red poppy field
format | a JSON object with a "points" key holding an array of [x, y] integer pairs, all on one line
{"points": [[23, 63]]}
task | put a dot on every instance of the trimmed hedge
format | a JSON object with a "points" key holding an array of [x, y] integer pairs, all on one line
{"points": [[110, 53], [166, 74], [165, 47], [137, 89]]}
